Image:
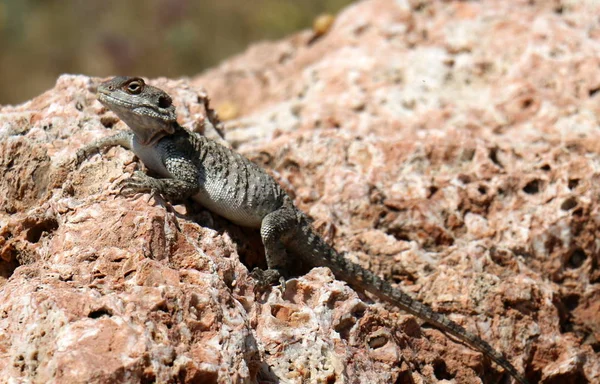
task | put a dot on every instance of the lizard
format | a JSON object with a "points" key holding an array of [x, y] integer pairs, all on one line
{"points": [[233, 187]]}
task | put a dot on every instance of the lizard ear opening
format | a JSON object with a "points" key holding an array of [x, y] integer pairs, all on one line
{"points": [[164, 101]]}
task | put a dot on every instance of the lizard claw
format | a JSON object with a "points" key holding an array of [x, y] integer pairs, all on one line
{"points": [[79, 157], [85, 153]]}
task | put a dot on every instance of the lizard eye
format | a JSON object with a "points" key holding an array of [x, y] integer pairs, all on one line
{"points": [[134, 87], [164, 101]]}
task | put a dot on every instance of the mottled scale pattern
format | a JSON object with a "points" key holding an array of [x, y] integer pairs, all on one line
{"points": [[233, 186], [228, 183]]}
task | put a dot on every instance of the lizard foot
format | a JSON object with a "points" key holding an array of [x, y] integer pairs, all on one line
{"points": [[267, 278], [138, 183], [85, 153]]}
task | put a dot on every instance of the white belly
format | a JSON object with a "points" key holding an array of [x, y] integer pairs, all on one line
{"points": [[150, 157], [217, 195], [220, 198]]}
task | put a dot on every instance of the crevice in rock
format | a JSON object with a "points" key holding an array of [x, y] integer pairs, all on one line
{"points": [[100, 312], [441, 371], [569, 204], [576, 258], [7, 268], [573, 183], [565, 304], [36, 231], [493, 155], [533, 187]]}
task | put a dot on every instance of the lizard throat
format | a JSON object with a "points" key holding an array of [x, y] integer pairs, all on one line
{"points": [[150, 141]]}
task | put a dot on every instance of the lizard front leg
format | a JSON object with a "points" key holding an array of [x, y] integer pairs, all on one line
{"points": [[184, 182], [123, 139]]}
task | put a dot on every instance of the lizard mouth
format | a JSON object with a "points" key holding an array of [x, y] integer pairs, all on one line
{"points": [[149, 122], [106, 98]]}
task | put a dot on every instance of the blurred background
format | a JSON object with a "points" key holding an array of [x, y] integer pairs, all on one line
{"points": [[41, 39]]}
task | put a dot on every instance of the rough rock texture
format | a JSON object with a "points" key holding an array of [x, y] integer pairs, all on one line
{"points": [[452, 147]]}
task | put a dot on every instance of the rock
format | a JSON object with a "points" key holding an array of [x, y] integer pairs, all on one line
{"points": [[451, 147]]}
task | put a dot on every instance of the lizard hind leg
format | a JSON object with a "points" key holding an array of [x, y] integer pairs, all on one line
{"points": [[275, 230]]}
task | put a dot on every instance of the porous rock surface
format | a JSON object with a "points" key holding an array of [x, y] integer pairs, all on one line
{"points": [[452, 147]]}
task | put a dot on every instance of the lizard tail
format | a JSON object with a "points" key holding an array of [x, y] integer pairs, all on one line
{"points": [[357, 276]]}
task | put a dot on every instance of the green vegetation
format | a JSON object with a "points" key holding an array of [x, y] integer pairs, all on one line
{"points": [[41, 39]]}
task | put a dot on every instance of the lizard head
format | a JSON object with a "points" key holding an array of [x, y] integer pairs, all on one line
{"points": [[147, 110]]}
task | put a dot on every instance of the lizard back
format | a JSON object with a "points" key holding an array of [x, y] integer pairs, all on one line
{"points": [[230, 184]]}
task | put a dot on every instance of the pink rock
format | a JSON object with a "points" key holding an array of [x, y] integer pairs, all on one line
{"points": [[451, 147]]}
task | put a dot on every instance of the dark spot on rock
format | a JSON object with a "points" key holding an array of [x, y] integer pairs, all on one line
{"points": [[7, 268], [359, 310], [576, 258], [399, 234], [577, 212], [163, 306], [502, 257], [523, 252], [149, 376], [564, 313], [20, 362], [404, 377], [552, 243], [526, 103], [432, 190], [99, 313], [377, 341], [344, 326], [108, 121], [546, 167], [441, 371], [593, 91], [532, 187], [572, 376], [573, 183], [35, 232], [569, 204], [493, 155], [465, 179], [571, 301], [187, 374], [291, 165]]}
